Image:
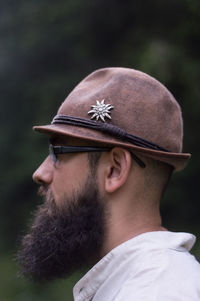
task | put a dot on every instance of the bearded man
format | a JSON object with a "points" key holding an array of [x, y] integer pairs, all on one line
{"points": [[114, 144]]}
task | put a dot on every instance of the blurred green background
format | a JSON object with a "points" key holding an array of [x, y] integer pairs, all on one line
{"points": [[46, 48]]}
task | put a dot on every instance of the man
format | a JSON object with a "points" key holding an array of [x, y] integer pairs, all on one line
{"points": [[113, 146]]}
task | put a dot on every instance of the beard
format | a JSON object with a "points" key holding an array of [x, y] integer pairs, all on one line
{"points": [[64, 240]]}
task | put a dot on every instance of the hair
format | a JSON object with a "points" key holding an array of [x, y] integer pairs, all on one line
{"points": [[157, 174], [93, 159]]}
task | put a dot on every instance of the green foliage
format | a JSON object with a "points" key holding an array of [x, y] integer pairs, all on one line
{"points": [[14, 288], [47, 47]]}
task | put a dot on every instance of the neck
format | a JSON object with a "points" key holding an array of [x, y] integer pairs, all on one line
{"points": [[125, 224]]}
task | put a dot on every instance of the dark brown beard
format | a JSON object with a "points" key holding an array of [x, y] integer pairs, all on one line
{"points": [[63, 241]]}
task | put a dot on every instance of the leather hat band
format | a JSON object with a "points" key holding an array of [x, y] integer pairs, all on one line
{"points": [[108, 129]]}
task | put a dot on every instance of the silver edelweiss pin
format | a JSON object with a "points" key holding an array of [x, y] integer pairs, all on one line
{"points": [[101, 110]]}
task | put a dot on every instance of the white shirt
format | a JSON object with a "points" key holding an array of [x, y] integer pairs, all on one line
{"points": [[153, 266]]}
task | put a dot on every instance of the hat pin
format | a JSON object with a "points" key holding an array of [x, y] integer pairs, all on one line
{"points": [[101, 110]]}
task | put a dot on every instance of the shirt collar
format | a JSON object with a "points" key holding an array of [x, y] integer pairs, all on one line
{"points": [[130, 250]]}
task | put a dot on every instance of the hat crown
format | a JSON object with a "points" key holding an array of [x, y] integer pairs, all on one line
{"points": [[142, 106]]}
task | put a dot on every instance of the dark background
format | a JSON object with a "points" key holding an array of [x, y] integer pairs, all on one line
{"points": [[46, 48]]}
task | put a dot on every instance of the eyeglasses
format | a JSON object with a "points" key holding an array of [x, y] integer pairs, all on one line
{"points": [[55, 150]]}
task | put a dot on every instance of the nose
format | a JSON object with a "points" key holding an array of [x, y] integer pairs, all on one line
{"points": [[44, 174]]}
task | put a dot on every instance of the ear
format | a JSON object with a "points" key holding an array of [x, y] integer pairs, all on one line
{"points": [[118, 169]]}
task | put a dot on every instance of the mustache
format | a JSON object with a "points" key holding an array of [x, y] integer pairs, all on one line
{"points": [[46, 193], [43, 190], [49, 203]]}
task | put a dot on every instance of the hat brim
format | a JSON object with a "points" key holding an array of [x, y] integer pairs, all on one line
{"points": [[177, 160]]}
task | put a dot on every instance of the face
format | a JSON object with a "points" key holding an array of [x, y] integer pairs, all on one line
{"points": [[68, 229], [69, 171]]}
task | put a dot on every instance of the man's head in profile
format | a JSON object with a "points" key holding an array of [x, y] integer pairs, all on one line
{"points": [[112, 148]]}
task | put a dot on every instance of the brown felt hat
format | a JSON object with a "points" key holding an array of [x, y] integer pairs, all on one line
{"points": [[124, 107]]}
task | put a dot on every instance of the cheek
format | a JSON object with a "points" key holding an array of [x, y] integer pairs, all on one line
{"points": [[69, 177]]}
